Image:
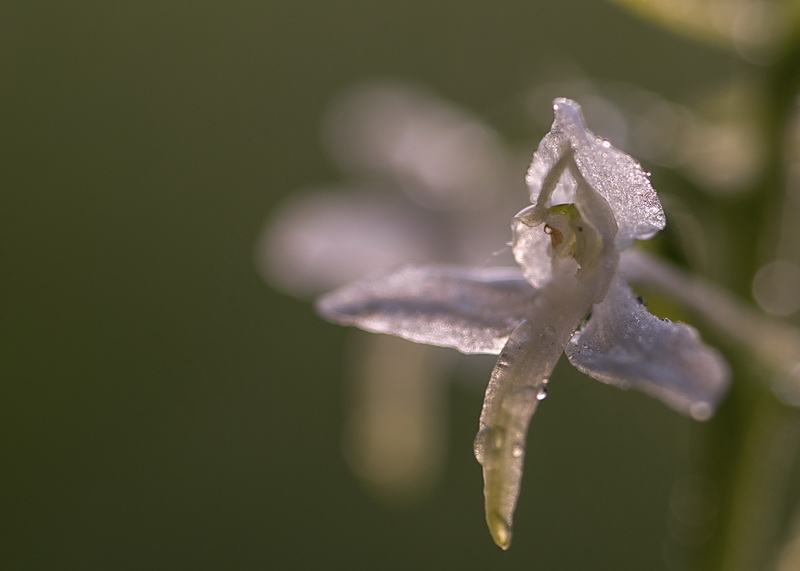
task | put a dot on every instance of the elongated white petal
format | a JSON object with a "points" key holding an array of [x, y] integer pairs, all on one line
{"points": [[515, 388], [614, 174], [472, 310], [511, 400], [625, 345]]}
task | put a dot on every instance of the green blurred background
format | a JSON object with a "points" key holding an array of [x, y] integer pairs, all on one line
{"points": [[164, 408]]}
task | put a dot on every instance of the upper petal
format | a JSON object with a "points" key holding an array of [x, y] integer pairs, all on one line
{"points": [[614, 174], [472, 310], [625, 345]]}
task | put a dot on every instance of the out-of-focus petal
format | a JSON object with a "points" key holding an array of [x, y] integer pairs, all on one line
{"points": [[625, 345], [614, 174], [396, 429], [441, 155], [321, 240], [472, 310]]}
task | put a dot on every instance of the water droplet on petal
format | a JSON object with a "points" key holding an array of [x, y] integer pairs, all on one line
{"points": [[517, 451], [542, 394], [500, 530], [701, 411], [488, 438], [549, 330]]}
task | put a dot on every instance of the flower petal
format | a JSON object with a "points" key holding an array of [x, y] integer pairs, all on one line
{"points": [[517, 385], [442, 156], [472, 310], [598, 269], [315, 241], [532, 251], [614, 174], [395, 431], [774, 343], [625, 345]]}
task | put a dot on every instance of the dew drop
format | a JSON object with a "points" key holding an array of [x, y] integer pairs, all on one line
{"points": [[517, 451], [479, 445], [488, 439], [701, 411], [606, 144], [549, 330], [500, 530], [542, 394]]}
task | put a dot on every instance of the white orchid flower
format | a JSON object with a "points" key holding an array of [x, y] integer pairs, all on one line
{"points": [[590, 202]]}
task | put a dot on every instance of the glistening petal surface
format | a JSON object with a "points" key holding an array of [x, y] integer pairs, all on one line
{"points": [[625, 345], [614, 174], [472, 310]]}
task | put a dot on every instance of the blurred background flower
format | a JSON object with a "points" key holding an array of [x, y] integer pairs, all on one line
{"points": [[429, 182]]}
